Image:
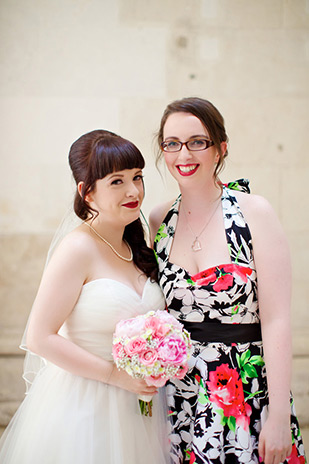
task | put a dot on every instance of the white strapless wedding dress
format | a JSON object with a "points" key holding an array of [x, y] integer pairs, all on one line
{"points": [[66, 419]]}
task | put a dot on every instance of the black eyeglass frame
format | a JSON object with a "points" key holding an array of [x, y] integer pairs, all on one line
{"points": [[209, 143]]}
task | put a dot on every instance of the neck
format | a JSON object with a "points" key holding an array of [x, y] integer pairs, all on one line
{"points": [[200, 199], [110, 232]]}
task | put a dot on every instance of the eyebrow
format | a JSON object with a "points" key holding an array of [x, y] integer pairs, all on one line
{"points": [[115, 174], [192, 137]]}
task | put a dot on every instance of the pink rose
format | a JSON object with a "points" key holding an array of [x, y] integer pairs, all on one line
{"points": [[159, 328], [148, 357], [152, 323], [136, 345], [158, 381], [118, 351], [162, 330], [172, 350]]}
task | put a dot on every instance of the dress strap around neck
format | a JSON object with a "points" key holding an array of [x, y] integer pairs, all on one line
{"points": [[237, 231]]}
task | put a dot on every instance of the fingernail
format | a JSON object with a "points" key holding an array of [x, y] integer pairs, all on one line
{"points": [[260, 459]]}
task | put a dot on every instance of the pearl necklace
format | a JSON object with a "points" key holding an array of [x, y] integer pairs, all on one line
{"points": [[196, 244], [111, 246]]}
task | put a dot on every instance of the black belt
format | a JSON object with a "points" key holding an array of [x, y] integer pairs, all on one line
{"points": [[205, 332]]}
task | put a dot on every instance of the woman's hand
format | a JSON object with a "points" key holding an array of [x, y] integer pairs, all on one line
{"points": [[275, 442], [119, 378]]}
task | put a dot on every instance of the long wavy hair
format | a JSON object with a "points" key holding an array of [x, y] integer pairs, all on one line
{"points": [[92, 157]]}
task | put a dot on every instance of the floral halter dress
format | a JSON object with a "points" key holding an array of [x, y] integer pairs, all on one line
{"points": [[216, 412]]}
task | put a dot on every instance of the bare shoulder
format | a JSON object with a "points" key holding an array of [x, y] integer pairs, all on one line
{"points": [[157, 215], [259, 214], [75, 250], [253, 204]]}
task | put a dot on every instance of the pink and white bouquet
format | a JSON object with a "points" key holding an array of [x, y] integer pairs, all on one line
{"points": [[154, 347]]}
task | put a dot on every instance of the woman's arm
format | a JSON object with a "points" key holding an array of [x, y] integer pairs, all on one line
{"points": [[272, 260], [57, 295]]}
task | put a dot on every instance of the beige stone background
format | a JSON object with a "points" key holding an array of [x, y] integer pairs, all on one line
{"points": [[70, 66]]}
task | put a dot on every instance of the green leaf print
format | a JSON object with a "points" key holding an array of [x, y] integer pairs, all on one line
{"points": [[250, 371], [223, 418], [203, 398], [257, 360], [251, 395], [246, 364], [238, 253], [233, 185], [231, 422], [243, 377], [160, 233], [245, 357], [235, 309]]}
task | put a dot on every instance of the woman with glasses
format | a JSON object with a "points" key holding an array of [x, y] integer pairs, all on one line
{"points": [[224, 268]]}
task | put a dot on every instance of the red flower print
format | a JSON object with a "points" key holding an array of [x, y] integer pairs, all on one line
{"points": [[224, 282], [226, 391], [192, 457], [294, 458], [205, 277], [241, 271]]}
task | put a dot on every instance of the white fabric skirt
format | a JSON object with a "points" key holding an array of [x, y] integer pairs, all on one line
{"points": [[66, 419]]}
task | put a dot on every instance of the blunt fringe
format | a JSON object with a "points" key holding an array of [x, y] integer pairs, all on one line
{"points": [[92, 157]]}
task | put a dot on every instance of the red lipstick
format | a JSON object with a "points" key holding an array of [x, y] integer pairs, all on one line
{"points": [[187, 169], [132, 204]]}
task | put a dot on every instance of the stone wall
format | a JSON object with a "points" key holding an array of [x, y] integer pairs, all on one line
{"points": [[75, 65]]}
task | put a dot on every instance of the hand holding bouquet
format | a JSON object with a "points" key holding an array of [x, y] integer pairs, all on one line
{"points": [[154, 347]]}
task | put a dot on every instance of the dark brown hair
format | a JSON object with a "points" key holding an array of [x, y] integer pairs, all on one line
{"points": [[92, 157], [209, 116]]}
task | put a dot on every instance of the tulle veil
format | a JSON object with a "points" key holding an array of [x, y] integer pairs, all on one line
{"points": [[33, 363]]}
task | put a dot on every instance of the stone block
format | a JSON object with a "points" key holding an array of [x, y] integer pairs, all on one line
{"points": [[245, 14], [12, 386], [296, 14], [300, 304], [260, 137], [160, 11], [22, 261], [300, 338], [295, 202], [7, 411]]}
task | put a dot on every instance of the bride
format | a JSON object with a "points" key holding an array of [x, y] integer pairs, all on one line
{"points": [[80, 408]]}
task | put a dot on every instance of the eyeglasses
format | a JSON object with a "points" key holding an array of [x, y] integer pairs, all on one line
{"points": [[172, 146]]}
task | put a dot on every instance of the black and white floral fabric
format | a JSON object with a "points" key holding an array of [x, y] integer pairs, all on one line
{"points": [[216, 412]]}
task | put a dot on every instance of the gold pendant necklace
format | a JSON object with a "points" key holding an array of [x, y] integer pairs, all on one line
{"points": [[111, 246], [196, 244]]}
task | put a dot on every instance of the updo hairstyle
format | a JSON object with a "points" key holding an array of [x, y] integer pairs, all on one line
{"points": [[92, 157]]}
